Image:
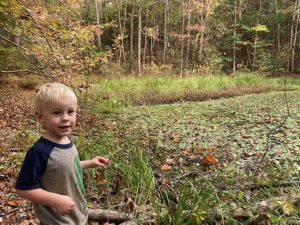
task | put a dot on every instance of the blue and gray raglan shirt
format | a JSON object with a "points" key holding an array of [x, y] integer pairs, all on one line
{"points": [[54, 168]]}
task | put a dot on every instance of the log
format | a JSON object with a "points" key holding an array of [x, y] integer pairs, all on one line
{"points": [[109, 215]]}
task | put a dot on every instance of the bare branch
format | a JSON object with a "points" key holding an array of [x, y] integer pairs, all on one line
{"points": [[26, 71], [16, 35], [13, 43]]}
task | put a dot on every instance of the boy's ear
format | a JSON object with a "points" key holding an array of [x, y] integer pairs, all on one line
{"points": [[39, 116]]}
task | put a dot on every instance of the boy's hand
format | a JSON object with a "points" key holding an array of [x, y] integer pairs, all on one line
{"points": [[100, 161], [64, 205]]}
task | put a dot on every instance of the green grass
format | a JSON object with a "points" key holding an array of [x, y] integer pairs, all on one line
{"points": [[113, 95]]}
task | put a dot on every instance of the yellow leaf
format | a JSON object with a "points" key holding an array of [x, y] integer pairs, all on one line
{"points": [[288, 208]]}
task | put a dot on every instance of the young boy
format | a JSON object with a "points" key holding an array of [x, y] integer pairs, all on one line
{"points": [[51, 175]]}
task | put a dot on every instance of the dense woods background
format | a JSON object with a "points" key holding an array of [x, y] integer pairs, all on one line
{"points": [[59, 37]]}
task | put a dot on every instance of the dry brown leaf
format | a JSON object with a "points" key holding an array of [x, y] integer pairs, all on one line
{"points": [[99, 179], [198, 150], [14, 202], [130, 204], [166, 167], [165, 181], [169, 161], [176, 138]]}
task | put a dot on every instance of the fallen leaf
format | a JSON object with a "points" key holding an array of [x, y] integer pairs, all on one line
{"points": [[176, 138], [170, 161], [99, 179], [288, 208], [14, 202], [198, 150], [209, 160], [166, 167], [130, 204], [165, 181]]}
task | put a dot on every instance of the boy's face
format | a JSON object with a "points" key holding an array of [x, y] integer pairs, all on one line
{"points": [[58, 118]]}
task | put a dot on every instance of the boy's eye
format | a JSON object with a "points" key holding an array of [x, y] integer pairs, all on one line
{"points": [[56, 113], [71, 111]]}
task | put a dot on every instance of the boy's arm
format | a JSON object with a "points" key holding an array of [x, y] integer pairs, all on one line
{"points": [[62, 203], [97, 161]]}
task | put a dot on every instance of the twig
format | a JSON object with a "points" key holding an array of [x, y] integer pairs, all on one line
{"points": [[273, 131]]}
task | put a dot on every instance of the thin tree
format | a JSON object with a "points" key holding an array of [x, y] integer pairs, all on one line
{"points": [[98, 23], [182, 42], [145, 40], [122, 33], [188, 32], [234, 40], [256, 36], [294, 33], [166, 22], [139, 37], [131, 33]]}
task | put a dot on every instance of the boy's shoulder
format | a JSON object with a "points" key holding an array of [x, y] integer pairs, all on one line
{"points": [[44, 144], [41, 145], [40, 148]]}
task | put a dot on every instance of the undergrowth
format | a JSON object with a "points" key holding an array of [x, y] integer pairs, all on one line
{"points": [[180, 135]]}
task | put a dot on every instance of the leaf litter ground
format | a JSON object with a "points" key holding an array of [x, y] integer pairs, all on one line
{"points": [[234, 130], [223, 140]]}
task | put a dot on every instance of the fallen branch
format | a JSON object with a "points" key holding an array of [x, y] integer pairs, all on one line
{"points": [[109, 215]]}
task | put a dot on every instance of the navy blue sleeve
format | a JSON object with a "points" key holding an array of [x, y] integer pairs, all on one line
{"points": [[33, 168]]}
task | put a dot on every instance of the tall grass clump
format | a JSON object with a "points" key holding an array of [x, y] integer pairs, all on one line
{"points": [[197, 202], [135, 175], [88, 148]]}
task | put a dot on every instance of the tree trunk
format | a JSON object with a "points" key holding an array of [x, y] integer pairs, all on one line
{"points": [[234, 41], [256, 38], [278, 27], [122, 49], [145, 41], [131, 34], [166, 19], [295, 33], [188, 32], [182, 43], [139, 39], [98, 24], [204, 25], [152, 40]]}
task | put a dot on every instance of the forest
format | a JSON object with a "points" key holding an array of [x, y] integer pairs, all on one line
{"points": [[200, 37], [195, 102]]}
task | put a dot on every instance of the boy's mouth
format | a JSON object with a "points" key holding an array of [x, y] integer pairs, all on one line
{"points": [[64, 127]]}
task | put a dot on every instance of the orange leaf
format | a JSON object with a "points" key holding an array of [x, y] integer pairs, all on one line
{"points": [[209, 160], [14, 202]]}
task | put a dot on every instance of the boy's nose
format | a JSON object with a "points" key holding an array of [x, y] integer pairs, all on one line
{"points": [[65, 117]]}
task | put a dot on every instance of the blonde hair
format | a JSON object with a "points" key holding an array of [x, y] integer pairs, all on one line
{"points": [[52, 92]]}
